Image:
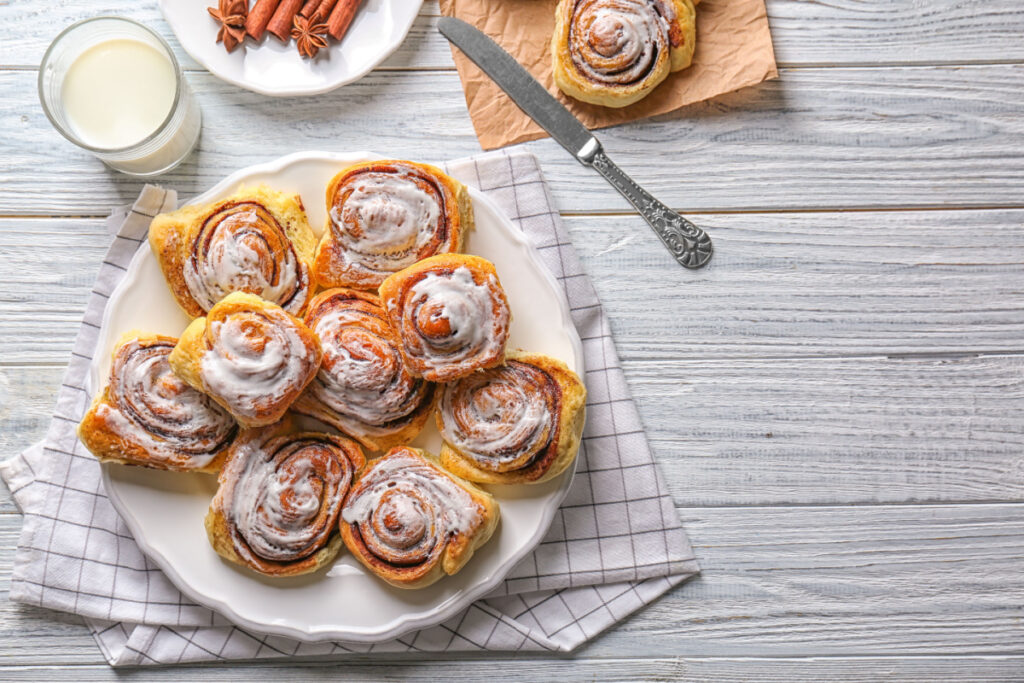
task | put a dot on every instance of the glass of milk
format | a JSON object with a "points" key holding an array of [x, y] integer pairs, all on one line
{"points": [[112, 86]]}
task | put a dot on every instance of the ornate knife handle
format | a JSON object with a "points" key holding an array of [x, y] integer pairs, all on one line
{"points": [[690, 245]]}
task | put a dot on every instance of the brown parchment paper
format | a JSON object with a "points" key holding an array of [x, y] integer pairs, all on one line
{"points": [[734, 50]]}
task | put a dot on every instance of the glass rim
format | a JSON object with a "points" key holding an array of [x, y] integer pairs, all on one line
{"points": [[70, 135]]}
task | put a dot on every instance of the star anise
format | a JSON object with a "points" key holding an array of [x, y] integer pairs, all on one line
{"points": [[310, 35], [231, 15]]}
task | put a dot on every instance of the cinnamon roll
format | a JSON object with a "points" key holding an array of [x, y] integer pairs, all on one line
{"points": [[615, 52], [519, 423], [410, 522], [248, 355], [384, 216], [256, 241], [363, 387], [451, 315], [276, 510], [146, 416]]}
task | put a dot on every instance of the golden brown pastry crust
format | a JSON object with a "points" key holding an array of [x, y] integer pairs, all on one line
{"points": [[533, 439], [410, 522], [146, 416], [363, 387], [248, 355], [615, 52], [451, 314], [280, 537], [379, 221], [199, 249]]}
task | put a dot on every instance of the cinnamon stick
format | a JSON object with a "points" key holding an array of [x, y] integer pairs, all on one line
{"points": [[324, 8], [259, 17], [281, 23], [341, 17], [308, 8]]}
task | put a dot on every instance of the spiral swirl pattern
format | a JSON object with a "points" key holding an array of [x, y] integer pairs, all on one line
{"points": [[404, 513], [451, 314], [363, 387], [257, 359], [502, 418], [385, 216], [241, 247], [615, 52], [619, 42], [280, 497], [158, 419]]}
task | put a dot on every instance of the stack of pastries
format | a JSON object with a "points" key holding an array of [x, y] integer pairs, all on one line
{"points": [[373, 330]]}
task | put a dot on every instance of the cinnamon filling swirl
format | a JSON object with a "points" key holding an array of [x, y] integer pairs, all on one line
{"points": [[282, 497], [363, 382], [404, 511], [503, 419], [254, 359], [620, 42], [450, 319], [177, 426], [243, 248], [387, 216]]}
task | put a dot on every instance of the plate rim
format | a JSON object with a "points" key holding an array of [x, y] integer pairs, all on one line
{"points": [[288, 92], [401, 625]]}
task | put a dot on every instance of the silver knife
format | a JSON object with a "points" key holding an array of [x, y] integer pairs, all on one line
{"points": [[690, 245]]}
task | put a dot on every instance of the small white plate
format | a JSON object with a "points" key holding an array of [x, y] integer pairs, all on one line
{"points": [[271, 67], [165, 510]]}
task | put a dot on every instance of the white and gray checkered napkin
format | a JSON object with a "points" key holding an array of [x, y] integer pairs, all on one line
{"points": [[615, 545]]}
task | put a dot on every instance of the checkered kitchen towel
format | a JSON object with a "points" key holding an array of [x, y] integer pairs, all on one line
{"points": [[615, 545]]}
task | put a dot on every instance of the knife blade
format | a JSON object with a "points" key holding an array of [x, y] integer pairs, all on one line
{"points": [[523, 88], [690, 245]]}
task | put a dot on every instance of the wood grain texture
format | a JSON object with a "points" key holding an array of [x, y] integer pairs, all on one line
{"points": [[816, 139], [775, 432], [781, 285], [844, 447], [474, 669], [775, 582], [804, 32]]}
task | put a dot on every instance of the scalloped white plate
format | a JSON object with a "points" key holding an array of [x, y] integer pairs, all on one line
{"points": [[271, 67], [165, 510]]}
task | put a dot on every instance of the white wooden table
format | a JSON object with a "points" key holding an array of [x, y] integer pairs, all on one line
{"points": [[837, 401]]}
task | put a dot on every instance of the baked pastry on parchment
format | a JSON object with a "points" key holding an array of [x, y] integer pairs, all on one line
{"points": [[615, 52]]}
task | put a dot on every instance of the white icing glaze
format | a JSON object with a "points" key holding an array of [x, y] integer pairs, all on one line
{"points": [[283, 496], [386, 221], [621, 39], [467, 307], [242, 258], [408, 508], [175, 424], [500, 417], [373, 387], [252, 365]]}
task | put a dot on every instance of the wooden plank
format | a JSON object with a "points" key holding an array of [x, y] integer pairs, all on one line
{"points": [[816, 139], [791, 285], [850, 32], [921, 580], [816, 431], [776, 432], [529, 670], [895, 32]]}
